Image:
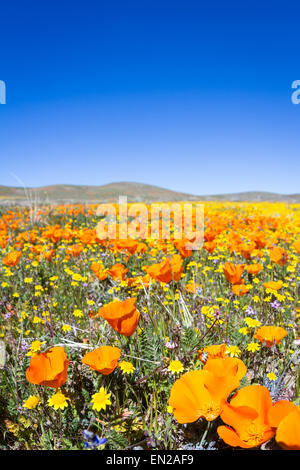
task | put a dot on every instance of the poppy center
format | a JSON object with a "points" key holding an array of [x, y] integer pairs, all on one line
{"points": [[210, 410], [254, 434]]}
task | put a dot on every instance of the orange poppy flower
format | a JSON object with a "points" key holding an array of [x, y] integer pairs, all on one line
{"points": [[246, 250], [192, 287], [285, 416], [278, 255], [118, 272], [240, 289], [270, 334], [233, 272], [181, 247], [209, 235], [254, 269], [222, 366], [200, 394], [103, 359], [280, 410], [141, 248], [259, 239], [127, 245], [48, 255], [48, 368], [123, 317], [74, 250], [87, 236], [37, 249], [212, 352], [247, 416], [167, 270], [210, 246], [54, 233], [99, 271], [161, 272], [3, 241], [274, 285], [12, 258], [288, 432]]}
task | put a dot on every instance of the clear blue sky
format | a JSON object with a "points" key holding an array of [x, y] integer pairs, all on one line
{"points": [[193, 96]]}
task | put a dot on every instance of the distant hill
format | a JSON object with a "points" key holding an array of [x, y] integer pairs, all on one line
{"points": [[135, 192], [254, 196]]}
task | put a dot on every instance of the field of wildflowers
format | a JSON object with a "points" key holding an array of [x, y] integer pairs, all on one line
{"points": [[144, 344]]}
